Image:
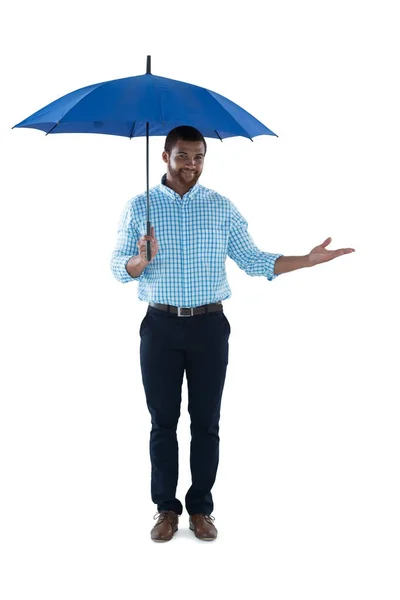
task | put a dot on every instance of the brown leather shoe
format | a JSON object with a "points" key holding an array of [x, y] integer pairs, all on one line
{"points": [[166, 526], [203, 527]]}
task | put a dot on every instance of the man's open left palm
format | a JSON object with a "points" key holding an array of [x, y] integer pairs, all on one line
{"points": [[320, 254]]}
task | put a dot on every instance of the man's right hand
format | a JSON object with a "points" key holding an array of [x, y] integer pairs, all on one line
{"points": [[142, 247]]}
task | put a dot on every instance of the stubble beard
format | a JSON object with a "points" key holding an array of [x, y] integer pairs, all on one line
{"points": [[184, 180]]}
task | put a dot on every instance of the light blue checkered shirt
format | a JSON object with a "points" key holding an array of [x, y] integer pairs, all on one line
{"points": [[195, 235]]}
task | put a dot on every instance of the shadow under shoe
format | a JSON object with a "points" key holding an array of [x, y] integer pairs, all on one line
{"points": [[203, 527], [166, 526]]}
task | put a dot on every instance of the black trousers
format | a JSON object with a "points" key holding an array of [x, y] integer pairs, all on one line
{"points": [[171, 345]]}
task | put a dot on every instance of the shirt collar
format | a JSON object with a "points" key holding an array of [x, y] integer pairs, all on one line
{"points": [[167, 190]]}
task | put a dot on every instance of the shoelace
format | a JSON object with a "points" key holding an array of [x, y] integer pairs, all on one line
{"points": [[162, 516], [208, 518]]}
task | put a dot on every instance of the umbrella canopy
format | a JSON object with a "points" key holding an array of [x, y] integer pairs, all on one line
{"points": [[125, 106], [145, 105]]}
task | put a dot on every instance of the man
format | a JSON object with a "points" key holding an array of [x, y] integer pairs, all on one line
{"points": [[185, 328]]}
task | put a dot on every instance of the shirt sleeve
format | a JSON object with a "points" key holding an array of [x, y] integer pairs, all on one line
{"points": [[127, 238], [242, 249]]}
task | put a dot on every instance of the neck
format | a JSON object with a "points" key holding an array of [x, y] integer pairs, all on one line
{"points": [[177, 186]]}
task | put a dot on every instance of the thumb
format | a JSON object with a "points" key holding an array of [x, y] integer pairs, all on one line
{"points": [[326, 242]]}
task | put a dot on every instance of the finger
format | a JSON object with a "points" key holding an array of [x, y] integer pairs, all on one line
{"points": [[326, 242], [341, 252]]}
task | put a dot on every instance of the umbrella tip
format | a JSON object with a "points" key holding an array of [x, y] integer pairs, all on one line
{"points": [[148, 65]]}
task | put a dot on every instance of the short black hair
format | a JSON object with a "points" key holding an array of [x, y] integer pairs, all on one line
{"points": [[184, 133]]}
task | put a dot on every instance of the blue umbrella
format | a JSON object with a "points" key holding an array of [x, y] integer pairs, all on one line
{"points": [[145, 105]]}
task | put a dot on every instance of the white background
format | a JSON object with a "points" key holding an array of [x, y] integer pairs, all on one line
{"points": [[307, 494]]}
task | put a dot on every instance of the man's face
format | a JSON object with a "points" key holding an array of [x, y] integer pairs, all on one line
{"points": [[185, 162]]}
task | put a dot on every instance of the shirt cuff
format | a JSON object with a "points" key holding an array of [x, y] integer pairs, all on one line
{"points": [[126, 275], [272, 258], [118, 267]]}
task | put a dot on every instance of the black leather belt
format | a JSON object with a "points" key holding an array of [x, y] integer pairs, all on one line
{"points": [[188, 312]]}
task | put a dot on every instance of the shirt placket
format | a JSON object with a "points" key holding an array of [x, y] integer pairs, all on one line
{"points": [[184, 253]]}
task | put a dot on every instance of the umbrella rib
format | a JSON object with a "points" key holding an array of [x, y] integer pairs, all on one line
{"points": [[54, 126], [94, 88], [133, 127], [213, 95], [218, 134], [157, 91]]}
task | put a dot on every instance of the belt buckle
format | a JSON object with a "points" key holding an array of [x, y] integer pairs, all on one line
{"points": [[180, 314]]}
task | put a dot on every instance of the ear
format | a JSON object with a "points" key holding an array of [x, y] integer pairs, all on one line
{"points": [[165, 157]]}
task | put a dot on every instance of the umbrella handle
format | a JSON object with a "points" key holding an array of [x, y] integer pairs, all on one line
{"points": [[148, 246]]}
